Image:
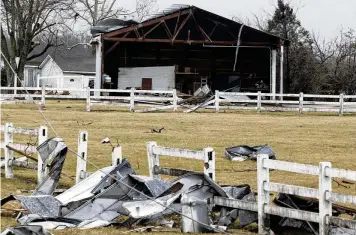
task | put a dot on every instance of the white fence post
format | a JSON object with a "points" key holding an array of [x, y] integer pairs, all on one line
{"points": [[82, 152], [217, 101], [325, 206], [259, 104], [341, 106], [88, 99], [153, 159], [263, 196], [42, 137], [43, 97], [116, 155], [132, 100], [301, 97], [175, 100], [9, 157], [209, 163]]}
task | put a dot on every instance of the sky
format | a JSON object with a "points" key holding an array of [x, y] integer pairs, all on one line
{"points": [[323, 17]]}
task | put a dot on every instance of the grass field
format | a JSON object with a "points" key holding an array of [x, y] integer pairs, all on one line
{"points": [[308, 139]]}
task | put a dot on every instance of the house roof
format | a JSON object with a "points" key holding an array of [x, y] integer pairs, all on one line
{"points": [[179, 21], [79, 58]]}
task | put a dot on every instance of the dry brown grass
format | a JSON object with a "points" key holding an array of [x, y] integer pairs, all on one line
{"points": [[308, 139]]}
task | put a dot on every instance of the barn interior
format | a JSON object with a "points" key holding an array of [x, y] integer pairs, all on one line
{"points": [[205, 48]]}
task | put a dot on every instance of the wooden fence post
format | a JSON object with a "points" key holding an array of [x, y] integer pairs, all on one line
{"points": [[43, 97], [325, 206], [88, 99], [175, 100], [9, 156], [341, 104], [259, 104], [116, 155], [217, 101], [263, 195], [209, 163], [82, 152], [42, 137], [132, 100], [153, 160], [301, 97]]}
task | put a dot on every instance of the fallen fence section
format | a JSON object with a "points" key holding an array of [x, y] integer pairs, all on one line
{"points": [[154, 152], [9, 146], [324, 194]]}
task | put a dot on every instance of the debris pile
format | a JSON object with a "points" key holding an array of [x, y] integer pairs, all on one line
{"points": [[243, 152]]}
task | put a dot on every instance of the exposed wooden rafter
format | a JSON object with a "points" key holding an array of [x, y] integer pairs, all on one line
{"points": [[181, 26], [200, 29], [112, 48], [153, 28], [145, 24], [169, 34]]}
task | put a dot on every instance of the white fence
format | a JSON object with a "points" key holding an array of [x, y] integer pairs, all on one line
{"points": [[154, 152], [8, 144], [164, 100], [324, 194]]}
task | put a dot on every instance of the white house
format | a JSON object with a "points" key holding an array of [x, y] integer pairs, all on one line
{"points": [[62, 68]]}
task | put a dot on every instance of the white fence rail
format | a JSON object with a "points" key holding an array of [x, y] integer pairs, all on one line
{"points": [[154, 152], [8, 144], [324, 194], [163, 100]]}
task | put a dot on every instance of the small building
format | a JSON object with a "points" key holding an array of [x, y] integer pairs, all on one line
{"points": [[62, 68], [185, 47]]}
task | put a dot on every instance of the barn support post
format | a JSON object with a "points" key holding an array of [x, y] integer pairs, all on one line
{"points": [[88, 100], [325, 206], [217, 101], [42, 137], [274, 70], [259, 105], [175, 100], [43, 97], [132, 100], [98, 60], [301, 97], [116, 155], [341, 104], [82, 156], [9, 155], [153, 159], [281, 72], [263, 195], [209, 163]]}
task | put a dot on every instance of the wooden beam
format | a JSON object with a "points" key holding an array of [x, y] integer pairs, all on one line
{"points": [[212, 31], [169, 34], [181, 26], [153, 28], [112, 48], [202, 32], [147, 23], [137, 33], [175, 28], [228, 43]]}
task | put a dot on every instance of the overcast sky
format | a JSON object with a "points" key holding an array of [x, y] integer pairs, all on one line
{"points": [[325, 17]]}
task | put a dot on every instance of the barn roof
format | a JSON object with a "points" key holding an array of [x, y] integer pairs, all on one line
{"points": [[190, 24]]}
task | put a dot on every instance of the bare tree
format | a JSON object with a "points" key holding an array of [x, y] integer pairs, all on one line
{"points": [[90, 12], [26, 22]]}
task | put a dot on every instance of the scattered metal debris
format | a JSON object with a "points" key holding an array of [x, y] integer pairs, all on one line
{"points": [[243, 152]]}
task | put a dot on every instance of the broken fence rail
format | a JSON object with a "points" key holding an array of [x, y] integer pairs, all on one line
{"points": [[9, 161], [207, 155], [324, 194]]}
